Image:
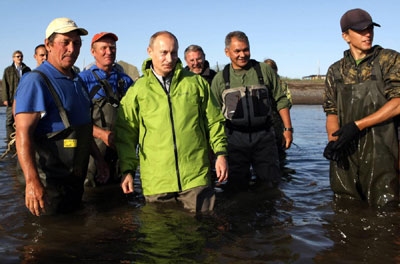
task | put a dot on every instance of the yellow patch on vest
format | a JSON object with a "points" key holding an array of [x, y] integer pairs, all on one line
{"points": [[70, 143]]}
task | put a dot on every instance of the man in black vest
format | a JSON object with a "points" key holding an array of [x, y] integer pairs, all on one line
{"points": [[248, 91]]}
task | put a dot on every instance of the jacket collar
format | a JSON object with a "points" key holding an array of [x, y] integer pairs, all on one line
{"points": [[372, 53], [146, 68]]}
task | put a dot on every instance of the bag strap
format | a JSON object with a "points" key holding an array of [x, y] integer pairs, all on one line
{"points": [[56, 98], [257, 67], [120, 85], [225, 74]]}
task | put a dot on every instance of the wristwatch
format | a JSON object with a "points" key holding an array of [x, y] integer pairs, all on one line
{"points": [[288, 129]]}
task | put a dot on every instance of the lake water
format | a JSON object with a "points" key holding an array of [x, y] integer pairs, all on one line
{"points": [[298, 224]]}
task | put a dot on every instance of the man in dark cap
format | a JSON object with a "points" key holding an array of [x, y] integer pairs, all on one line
{"points": [[365, 82]]}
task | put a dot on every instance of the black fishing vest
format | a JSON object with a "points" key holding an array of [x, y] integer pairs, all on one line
{"points": [[247, 108]]}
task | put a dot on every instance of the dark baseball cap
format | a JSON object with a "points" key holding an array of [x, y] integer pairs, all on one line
{"points": [[356, 19]]}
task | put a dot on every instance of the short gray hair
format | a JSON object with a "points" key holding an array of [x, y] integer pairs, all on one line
{"points": [[235, 34], [194, 48]]}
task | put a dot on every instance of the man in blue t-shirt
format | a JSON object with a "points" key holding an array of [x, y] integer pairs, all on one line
{"points": [[53, 124], [106, 85]]}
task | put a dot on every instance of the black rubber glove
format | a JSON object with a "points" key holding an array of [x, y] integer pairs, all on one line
{"points": [[330, 153], [346, 134]]}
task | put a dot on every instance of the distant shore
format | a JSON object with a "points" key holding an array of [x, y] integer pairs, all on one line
{"points": [[306, 92], [303, 92]]}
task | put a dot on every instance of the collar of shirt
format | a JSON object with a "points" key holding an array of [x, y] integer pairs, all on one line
{"points": [[56, 73], [103, 74], [165, 81], [19, 69]]}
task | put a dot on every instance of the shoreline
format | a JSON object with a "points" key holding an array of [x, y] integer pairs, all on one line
{"points": [[303, 92], [306, 93]]}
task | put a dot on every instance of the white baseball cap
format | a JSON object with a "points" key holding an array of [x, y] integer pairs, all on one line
{"points": [[63, 25]]}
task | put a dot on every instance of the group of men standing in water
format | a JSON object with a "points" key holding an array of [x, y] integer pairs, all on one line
{"points": [[170, 119]]}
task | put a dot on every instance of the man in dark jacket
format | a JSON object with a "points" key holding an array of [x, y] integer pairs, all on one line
{"points": [[197, 63], [11, 77]]}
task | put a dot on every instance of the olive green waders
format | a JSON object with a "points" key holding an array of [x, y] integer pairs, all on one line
{"points": [[369, 172]]}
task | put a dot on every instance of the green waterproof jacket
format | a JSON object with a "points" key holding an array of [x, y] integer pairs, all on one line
{"points": [[173, 130]]}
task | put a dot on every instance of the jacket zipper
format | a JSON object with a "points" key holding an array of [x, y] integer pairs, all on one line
{"points": [[173, 134], [174, 138]]}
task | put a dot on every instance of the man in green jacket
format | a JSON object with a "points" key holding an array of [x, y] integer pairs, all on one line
{"points": [[248, 92], [171, 114]]}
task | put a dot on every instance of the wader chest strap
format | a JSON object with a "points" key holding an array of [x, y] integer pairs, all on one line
{"points": [[56, 99], [106, 87], [255, 64]]}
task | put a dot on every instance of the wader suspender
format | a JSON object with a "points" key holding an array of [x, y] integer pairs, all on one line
{"points": [[111, 98], [107, 89], [376, 74], [256, 66], [56, 99]]}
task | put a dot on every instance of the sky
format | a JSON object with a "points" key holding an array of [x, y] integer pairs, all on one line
{"points": [[303, 37]]}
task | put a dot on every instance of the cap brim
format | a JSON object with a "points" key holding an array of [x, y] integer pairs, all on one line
{"points": [[82, 31], [364, 25]]}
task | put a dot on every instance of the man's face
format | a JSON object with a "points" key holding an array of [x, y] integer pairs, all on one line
{"points": [[40, 55], [64, 50], [239, 53], [17, 59], [164, 54], [195, 61], [104, 51], [360, 41]]}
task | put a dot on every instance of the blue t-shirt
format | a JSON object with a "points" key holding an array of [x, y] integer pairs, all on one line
{"points": [[91, 81], [33, 95]]}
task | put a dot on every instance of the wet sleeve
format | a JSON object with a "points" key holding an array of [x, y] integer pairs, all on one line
{"points": [[285, 87], [390, 66], [127, 131], [31, 94], [329, 104], [214, 120]]}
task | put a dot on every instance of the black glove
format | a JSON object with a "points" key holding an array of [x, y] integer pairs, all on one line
{"points": [[346, 134], [330, 153]]}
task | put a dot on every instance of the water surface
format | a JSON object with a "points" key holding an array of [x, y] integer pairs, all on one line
{"points": [[297, 224]]}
